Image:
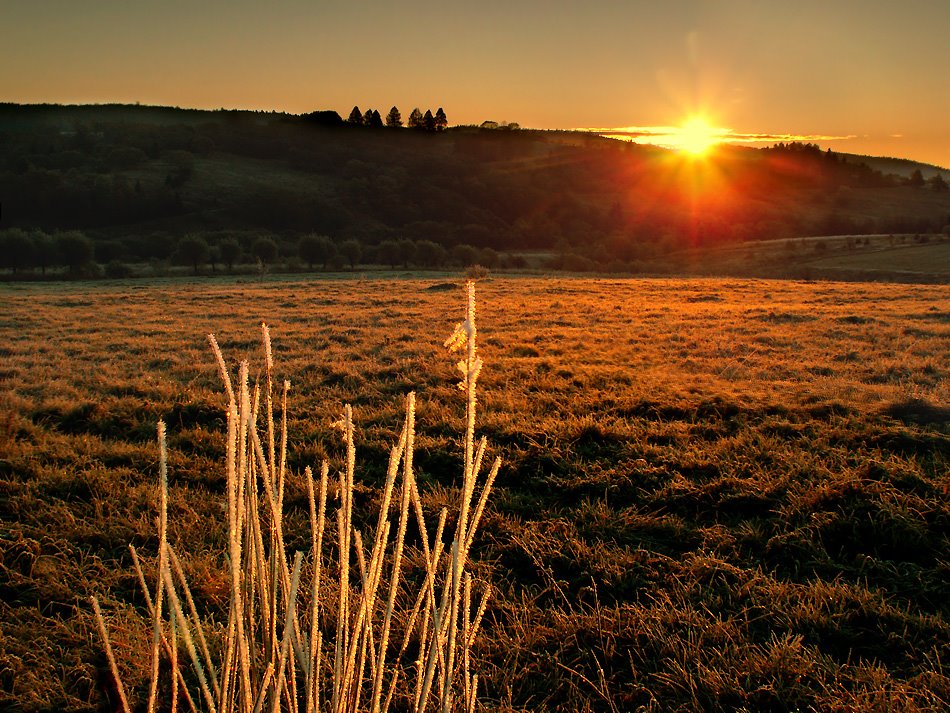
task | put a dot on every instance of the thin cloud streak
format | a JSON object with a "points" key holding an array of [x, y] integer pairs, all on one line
{"points": [[671, 136]]}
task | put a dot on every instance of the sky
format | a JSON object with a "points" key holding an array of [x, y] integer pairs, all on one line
{"points": [[869, 76]]}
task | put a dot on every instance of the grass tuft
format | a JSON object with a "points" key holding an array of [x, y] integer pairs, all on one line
{"points": [[920, 411]]}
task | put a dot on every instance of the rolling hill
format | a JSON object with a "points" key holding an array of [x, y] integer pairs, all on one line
{"points": [[902, 167], [140, 178]]}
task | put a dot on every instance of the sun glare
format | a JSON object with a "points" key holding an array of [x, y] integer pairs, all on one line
{"points": [[696, 136]]}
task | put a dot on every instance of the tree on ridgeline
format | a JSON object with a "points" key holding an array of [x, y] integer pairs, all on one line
{"points": [[441, 121], [394, 118], [415, 119], [315, 248], [76, 250], [352, 251], [375, 120], [367, 117], [324, 118], [428, 121], [356, 117], [230, 251], [194, 250], [265, 250]]}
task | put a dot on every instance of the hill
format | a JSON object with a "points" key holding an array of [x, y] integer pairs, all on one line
{"points": [[899, 166], [137, 179]]}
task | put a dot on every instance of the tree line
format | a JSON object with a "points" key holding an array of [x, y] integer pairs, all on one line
{"points": [[417, 120], [836, 169], [80, 256]]}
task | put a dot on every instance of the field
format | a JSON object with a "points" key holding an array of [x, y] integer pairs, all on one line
{"points": [[919, 259], [893, 258], [717, 494]]}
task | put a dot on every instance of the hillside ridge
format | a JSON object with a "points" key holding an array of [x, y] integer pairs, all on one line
{"points": [[143, 177]]}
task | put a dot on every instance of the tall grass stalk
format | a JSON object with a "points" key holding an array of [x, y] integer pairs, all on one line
{"points": [[327, 643]]}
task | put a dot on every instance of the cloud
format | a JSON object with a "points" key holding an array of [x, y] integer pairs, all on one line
{"points": [[671, 136]]}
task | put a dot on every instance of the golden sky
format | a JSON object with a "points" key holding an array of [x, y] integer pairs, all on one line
{"points": [[868, 76]]}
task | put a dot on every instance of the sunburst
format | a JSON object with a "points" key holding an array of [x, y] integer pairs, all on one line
{"points": [[696, 136]]}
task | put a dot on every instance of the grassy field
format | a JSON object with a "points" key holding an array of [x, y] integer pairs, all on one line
{"points": [[916, 259], [900, 258], [716, 494]]}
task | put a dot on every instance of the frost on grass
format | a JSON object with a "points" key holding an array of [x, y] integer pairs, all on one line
{"points": [[340, 627]]}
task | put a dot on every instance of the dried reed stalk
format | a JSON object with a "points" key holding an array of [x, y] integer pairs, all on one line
{"points": [[283, 652], [104, 633]]}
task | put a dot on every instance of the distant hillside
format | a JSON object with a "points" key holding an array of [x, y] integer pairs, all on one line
{"points": [[137, 179], [899, 166]]}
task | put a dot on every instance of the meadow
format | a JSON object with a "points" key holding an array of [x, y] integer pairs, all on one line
{"points": [[716, 494]]}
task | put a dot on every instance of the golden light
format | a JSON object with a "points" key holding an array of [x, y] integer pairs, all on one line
{"points": [[696, 136]]}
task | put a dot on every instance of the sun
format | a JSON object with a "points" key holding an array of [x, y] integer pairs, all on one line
{"points": [[696, 136]]}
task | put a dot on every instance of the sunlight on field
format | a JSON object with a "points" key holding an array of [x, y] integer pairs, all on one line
{"points": [[748, 474], [744, 337]]}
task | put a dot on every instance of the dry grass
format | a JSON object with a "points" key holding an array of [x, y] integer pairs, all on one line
{"points": [[718, 494], [283, 649]]}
